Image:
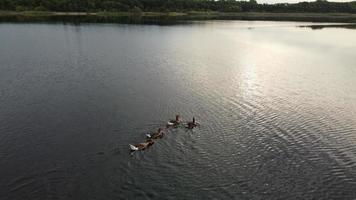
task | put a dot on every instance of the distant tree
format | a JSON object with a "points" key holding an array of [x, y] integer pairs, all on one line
{"points": [[136, 11], [40, 8], [252, 1], [20, 8], [114, 6], [232, 8], [353, 7]]}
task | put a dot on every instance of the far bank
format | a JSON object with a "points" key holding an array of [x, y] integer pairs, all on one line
{"points": [[136, 17]]}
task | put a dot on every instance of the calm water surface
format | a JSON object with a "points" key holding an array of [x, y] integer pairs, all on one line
{"points": [[276, 102]]}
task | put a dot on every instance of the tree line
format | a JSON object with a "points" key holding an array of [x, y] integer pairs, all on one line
{"points": [[173, 6]]}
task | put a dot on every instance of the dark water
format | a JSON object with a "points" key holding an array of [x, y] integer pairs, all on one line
{"points": [[276, 103]]}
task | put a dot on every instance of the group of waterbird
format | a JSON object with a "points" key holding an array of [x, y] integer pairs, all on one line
{"points": [[151, 137]]}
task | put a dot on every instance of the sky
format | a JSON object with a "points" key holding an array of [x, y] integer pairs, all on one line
{"points": [[295, 1]]}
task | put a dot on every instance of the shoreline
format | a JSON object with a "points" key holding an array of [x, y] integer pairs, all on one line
{"points": [[9, 16]]}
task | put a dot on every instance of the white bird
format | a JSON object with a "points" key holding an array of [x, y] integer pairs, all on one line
{"points": [[132, 147]]}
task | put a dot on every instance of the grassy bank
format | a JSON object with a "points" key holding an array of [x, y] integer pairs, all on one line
{"points": [[101, 14], [193, 15]]}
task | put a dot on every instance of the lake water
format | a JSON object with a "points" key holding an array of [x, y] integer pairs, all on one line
{"points": [[276, 102]]}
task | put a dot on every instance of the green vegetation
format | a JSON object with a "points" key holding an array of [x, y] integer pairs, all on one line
{"points": [[169, 17], [136, 11], [140, 6]]}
